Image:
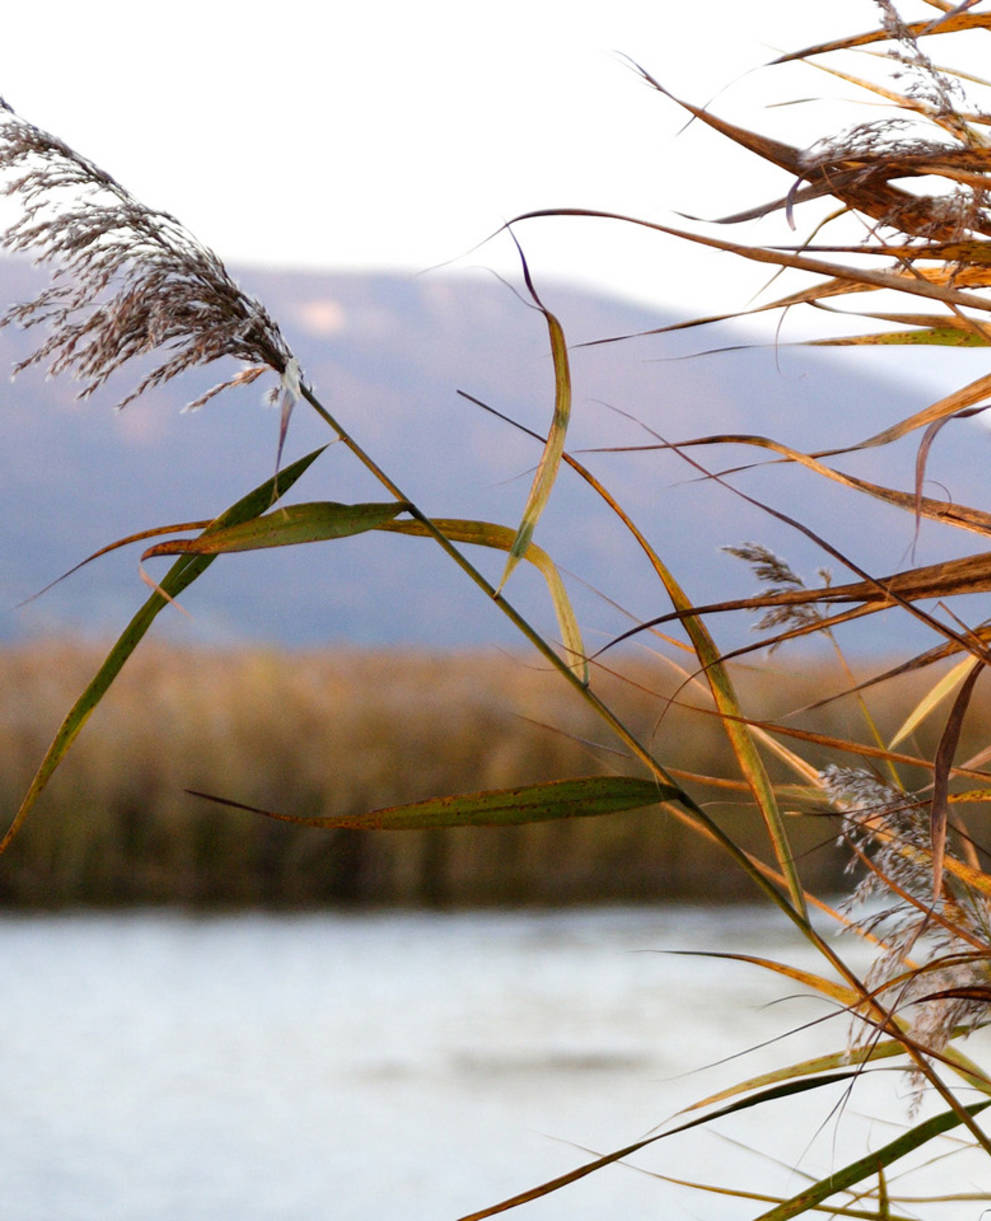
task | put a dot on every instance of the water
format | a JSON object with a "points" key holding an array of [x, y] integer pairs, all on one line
{"points": [[293, 1068]]}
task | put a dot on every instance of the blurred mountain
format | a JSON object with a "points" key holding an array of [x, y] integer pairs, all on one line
{"points": [[387, 354]]}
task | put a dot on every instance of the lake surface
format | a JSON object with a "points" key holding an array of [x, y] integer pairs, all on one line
{"points": [[157, 1067]]}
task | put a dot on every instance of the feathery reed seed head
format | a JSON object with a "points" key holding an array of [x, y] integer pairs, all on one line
{"points": [[779, 577], [934, 90], [890, 829], [126, 279], [867, 161]]}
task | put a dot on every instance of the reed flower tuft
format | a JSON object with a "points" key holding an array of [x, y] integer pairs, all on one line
{"points": [[778, 577], [934, 968], [126, 280], [935, 92]]}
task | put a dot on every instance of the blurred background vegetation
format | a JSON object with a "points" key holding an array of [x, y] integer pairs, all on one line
{"points": [[342, 732]]}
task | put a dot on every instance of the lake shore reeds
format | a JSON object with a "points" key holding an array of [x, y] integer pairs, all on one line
{"points": [[897, 794], [337, 733]]}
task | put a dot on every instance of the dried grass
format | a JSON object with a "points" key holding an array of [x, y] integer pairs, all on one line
{"points": [[336, 734]]}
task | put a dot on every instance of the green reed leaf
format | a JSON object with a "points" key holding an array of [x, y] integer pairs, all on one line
{"points": [[179, 577], [887, 1049], [780, 1091], [868, 1166], [286, 527], [583, 798]]}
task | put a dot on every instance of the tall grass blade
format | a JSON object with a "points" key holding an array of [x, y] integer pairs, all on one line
{"points": [[942, 764], [179, 577], [947, 684], [867, 1166], [915, 29], [946, 335], [720, 684], [550, 459], [781, 1091], [554, 799]]}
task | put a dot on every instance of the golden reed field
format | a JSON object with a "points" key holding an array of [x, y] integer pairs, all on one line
{"points": [[340, 733]]}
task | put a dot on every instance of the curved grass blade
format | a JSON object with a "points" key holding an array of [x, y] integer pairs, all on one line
{"points": [[827, 987], [737, 1193], [949, 512], [942, 763], [867, 1166], [489, 534], [806, 1068], [555, 799], [859, 278], [316, 522], [139, 537], [971, 992], [950, 404], [971, 574], [550, 459], [179, 577], [781, 1091], [869, 188], [916, 29]]}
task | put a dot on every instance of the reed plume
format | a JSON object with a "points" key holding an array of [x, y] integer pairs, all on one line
{"points": [[126, 279], [778, 577], [934, 966], [866, 162]]}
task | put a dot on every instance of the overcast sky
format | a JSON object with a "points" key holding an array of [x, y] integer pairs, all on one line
{"points": [[400, 134]]}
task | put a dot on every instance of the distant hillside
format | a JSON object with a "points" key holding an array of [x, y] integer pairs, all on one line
{"points": [[388, 353]]}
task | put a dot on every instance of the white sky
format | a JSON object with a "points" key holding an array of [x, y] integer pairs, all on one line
{"points": [[399, 134]]}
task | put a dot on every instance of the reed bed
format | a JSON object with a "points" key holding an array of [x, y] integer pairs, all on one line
{"points": [[333, 734]]}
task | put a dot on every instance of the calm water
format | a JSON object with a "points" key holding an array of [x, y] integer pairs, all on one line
{"points": [[157, 1067]]}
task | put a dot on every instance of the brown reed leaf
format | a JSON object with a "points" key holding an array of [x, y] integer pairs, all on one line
{"points": [[972, 574], [859, 167], [943, 761], [973, 992], [550, 458], [917, 29]]}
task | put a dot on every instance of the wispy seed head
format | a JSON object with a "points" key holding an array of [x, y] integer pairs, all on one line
{"points": [[126, 280]]}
